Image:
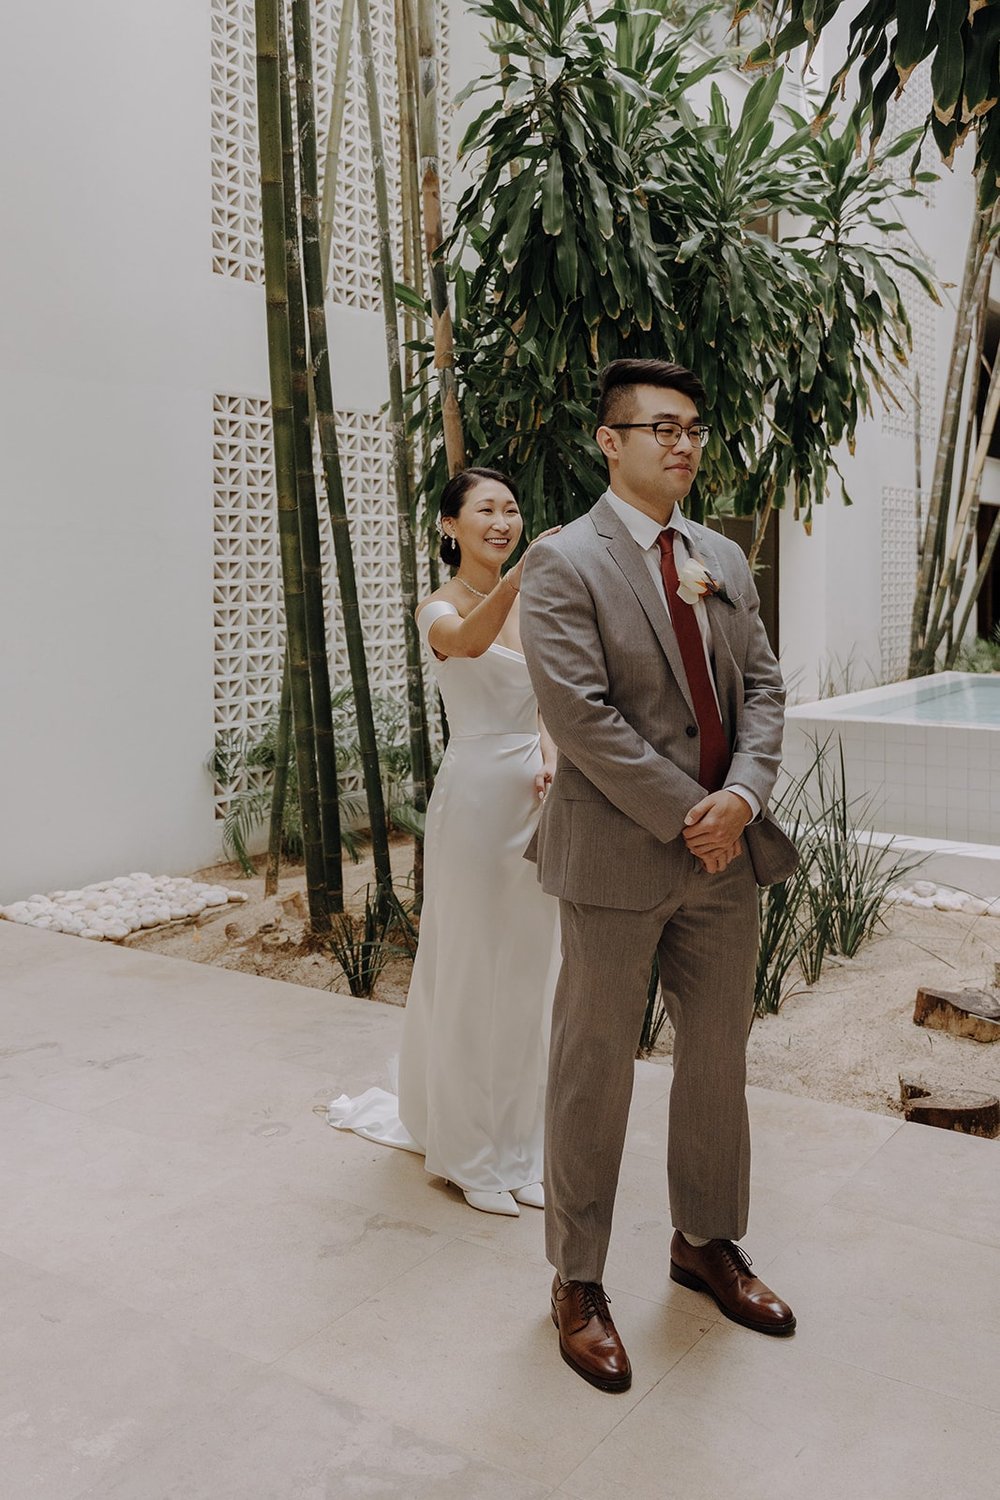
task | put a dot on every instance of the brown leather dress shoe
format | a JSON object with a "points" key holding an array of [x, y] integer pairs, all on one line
{"points": [[721, 1269], [588, 1340]]}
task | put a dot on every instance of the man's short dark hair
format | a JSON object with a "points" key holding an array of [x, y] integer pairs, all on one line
{"points": [[616, 383]]}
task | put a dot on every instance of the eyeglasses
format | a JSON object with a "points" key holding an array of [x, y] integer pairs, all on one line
{"points": [[668, 434]]}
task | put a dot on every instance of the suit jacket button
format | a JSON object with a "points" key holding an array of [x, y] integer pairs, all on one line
{"points": [[691, 731]]}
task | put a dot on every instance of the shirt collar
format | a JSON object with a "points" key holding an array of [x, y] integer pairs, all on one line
{"points": [[643, 530]]}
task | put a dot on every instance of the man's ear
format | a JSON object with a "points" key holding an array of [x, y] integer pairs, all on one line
{"points": [[609, 442]]}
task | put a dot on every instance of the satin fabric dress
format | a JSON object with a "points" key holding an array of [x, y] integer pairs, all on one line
{"points": [[473, 1060]]}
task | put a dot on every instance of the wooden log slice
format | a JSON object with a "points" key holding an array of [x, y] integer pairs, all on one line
{"points": [[948, 1108], [969, 1013]]}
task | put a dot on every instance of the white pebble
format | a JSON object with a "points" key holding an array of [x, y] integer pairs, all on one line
{"points": [[92, 932], [926, 902], [924, 888]]}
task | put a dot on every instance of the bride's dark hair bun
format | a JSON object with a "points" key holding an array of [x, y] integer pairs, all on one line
{"points": [[453, 498]]}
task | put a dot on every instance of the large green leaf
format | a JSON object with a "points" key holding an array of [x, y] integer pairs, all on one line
{"points": [[609, 217]]}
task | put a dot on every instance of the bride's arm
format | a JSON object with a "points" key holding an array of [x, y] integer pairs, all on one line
{"points": [[451, 635]]}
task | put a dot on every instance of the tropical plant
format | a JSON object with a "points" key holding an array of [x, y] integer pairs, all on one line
{"points": [[887, 41], [950, 525], [852, 871], [834, 901], [608, 219], [248, 763], [655, 1016], [360, 944], [980, 655]]}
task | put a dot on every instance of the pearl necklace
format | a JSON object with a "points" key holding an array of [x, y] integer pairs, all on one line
{"points": [[478, 592]]}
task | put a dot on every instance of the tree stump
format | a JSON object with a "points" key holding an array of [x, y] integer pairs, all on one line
{"points": [[950, 1109], [971, 1013]]}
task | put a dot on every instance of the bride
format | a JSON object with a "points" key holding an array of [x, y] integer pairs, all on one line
{"points": [[473, 1058]]}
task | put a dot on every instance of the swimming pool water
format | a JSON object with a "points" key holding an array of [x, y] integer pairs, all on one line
{"points": [[973, 700]]}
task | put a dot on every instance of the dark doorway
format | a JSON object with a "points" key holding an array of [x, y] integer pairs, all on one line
{"points": [[740, 530], [988, 603]]}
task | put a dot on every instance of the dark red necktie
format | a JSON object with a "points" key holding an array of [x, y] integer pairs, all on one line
{"points": [[715, 757]]}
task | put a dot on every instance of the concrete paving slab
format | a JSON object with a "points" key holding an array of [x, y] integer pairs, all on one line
{"points": [[205, 1291]]}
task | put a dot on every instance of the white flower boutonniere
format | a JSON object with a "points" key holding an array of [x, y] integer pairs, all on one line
{"points": [[695, 581]]}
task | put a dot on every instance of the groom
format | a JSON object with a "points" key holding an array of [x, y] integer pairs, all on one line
{"points": [[668, 716]]}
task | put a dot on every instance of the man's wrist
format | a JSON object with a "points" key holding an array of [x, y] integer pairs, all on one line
{"points": [[747, 797]]}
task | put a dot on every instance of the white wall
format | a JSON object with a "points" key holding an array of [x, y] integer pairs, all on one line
{"points": [[114, 336], [833, 620]]}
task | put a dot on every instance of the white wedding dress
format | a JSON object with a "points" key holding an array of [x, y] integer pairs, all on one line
{"points": [[475, 1034]]}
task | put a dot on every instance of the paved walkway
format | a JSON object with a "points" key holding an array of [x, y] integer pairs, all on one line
{"points": [[208, 1294]]}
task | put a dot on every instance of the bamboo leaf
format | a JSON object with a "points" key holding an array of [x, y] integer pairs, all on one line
{"points": [[982, 80], [948, 66], [911, 36], [552, 196]]}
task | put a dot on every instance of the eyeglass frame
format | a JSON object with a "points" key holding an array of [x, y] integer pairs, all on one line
{"points": [[668, 447]]}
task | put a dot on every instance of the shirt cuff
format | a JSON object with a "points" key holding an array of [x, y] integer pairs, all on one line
{"points": [[748, 797]]}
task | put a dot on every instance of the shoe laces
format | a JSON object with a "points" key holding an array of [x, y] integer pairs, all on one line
{"points": [[594, 1300], [737, 1257]]}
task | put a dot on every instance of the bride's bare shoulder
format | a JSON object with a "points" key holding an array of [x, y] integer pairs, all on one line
{"points": [[448, 593]]}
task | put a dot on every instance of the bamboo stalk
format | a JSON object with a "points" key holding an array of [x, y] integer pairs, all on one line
{"points": [[412, 277], [309, 540], [941, 484], [430, 167], [985, 563], [968, 511], [918, 465], [981, 366], [268, 23], [330, 450], [761, 519], [279, 790], [331, 163], [404, 511]]}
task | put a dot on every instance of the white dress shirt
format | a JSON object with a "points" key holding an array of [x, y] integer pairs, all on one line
{"points": [[645, 532]]}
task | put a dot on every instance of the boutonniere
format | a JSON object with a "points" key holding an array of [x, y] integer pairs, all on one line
{"points": [[695, 581]]}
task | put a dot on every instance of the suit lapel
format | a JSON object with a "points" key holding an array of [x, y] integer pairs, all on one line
{"points": [[720, 616], [629, 559]]}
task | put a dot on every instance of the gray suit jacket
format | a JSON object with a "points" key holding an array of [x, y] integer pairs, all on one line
{"points": [[610, 683]]}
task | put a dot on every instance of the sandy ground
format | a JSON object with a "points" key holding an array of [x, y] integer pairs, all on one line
{"points": [[846, 1040], [264, 934]]}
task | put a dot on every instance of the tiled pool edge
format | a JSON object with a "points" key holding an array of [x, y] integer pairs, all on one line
{"points": [[931, 782]]}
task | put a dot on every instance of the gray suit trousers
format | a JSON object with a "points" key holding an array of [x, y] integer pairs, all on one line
{"points": [[705, 935]]}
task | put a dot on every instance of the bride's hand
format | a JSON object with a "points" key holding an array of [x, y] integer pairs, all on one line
{"points": [[513, 575], [543, 780]]}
